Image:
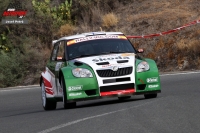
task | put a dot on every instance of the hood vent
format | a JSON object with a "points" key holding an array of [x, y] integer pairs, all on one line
{"points": [[122, 61], [78, 63], [103, 63]]}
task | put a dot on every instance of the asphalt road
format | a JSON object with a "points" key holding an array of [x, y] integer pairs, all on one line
{"points": [[176, 110]]}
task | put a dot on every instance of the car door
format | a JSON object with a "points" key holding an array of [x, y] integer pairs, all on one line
{"points": [[55, 63]]}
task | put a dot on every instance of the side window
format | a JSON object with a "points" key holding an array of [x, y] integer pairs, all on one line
{"points": [[54, 52], [61, 50], [58, 51]]}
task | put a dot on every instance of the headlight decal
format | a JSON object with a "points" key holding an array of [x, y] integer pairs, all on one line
{"points": [[82, 73], [143, 66]]}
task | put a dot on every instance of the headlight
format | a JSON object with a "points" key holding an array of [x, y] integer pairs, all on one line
{"points": [[81, 72], [142, 66]]}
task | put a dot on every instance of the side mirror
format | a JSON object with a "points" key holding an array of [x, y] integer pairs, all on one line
{"points": [[53, 42], [140, 50]]}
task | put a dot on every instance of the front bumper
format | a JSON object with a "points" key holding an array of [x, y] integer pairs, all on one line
{"points": [[89, 88]]}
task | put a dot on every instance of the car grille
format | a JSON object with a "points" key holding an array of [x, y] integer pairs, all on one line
{"points": [[111, 73]]}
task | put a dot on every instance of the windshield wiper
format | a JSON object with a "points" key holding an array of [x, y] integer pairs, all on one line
{"points": [[114, 52]]}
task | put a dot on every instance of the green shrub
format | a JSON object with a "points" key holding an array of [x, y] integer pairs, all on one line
{"points": [[11, 68], [23, 65]]}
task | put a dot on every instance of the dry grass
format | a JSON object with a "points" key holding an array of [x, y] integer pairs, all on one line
{"points": [[151, 55], [176, 49], [159, 46], [91, 20], [189, 45], [198, 63], [109, 20], [167, 12], [144, 17], [66, 29]]}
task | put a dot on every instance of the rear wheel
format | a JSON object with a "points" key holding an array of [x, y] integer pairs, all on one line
{"points": [[47, 103], [66, 105], [148, 96], [124, 98]]}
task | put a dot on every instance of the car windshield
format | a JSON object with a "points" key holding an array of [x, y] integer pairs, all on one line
{"points": [[99, 47]]}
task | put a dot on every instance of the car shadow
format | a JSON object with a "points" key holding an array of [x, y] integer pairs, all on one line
{"points": [[102, 102], [107, 101], [84, 104]]}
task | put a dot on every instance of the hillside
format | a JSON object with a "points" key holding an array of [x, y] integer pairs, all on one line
{"points": [[24, 49]]}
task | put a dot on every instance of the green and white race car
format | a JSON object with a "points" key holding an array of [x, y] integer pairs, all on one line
{"points": [[96, 65]]}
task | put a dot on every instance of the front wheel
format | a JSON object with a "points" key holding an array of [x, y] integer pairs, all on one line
{"points": [[66, 105], [148, 96], [47, 103]]}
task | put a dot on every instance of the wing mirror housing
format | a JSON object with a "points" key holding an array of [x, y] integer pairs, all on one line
{"points": [[140, 50], [59, 58], [53, 42]]}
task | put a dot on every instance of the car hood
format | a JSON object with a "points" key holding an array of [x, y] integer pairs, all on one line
{"points": [[109, 61]]}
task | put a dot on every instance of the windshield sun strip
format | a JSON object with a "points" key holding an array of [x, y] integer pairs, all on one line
{"points": [[95, 38]]}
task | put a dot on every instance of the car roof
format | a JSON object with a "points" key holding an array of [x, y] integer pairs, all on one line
{"points": [[88, 34], [85, 35]]}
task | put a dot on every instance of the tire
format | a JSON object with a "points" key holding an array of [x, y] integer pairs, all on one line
{"points": [[124, 98], [148, 96], [65, 104], [47, 103]]}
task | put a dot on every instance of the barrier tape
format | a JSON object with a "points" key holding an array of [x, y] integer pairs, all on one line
{"points": [[166, 32]]}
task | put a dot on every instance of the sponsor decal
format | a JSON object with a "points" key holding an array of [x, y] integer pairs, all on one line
{"points": [[122, 37], [153, 79], [75, 94], [14, 14], [75, 88], [95, 38], [71, 42], [109, 58], [153, 86], [109, 65]]}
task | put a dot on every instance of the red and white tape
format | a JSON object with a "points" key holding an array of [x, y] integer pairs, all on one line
{"points": [[166, 32]]}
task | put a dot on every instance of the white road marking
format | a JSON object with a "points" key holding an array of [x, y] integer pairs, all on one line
{"points": [[181, 73], [92, 117], [20, 89]]}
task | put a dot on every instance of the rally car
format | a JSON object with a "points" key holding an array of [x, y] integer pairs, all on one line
{"points": [[95, 65]]}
